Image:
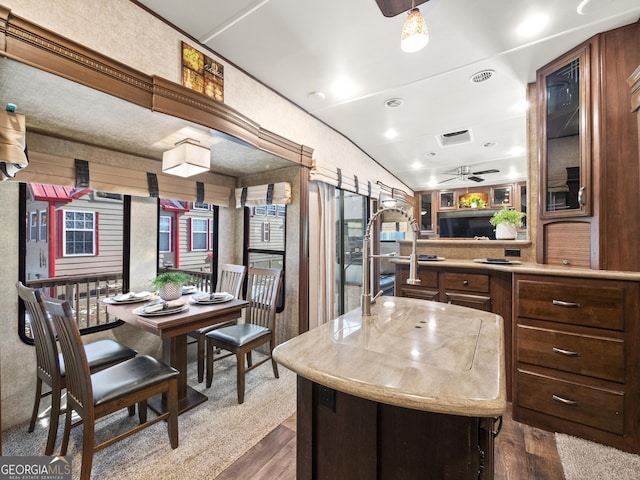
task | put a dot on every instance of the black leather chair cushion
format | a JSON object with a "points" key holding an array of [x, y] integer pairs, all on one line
{"points": [[120, 380], [103, 352], [238, 334]]}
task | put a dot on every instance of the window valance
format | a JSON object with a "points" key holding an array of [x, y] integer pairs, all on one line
{"points": [[272, 193], [344, 179], [13, 147], [58, 170]]}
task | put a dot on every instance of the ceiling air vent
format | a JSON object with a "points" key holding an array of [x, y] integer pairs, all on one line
{"points": [[482, 76], [454, 138]]}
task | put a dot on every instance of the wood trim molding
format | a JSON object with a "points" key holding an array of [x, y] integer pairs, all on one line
{"points": [[634, 83], [26, 42]]}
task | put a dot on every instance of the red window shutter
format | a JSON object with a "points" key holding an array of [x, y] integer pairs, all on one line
{"points": [[61, 227], [190, 236]]}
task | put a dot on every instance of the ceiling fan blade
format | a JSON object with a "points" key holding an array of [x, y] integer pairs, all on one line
{"points": [[475, 179], [493, 170], [447, 180]]}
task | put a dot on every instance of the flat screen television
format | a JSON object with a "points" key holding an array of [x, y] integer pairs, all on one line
{"points": [[468, 226]]}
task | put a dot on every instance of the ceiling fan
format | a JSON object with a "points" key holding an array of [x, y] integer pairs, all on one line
{"points": [[464, 173]]}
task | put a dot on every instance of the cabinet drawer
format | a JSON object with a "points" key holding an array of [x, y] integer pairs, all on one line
{"points": [[412, 291], [479, 302], [467, 282], [586, 355], [427, 277], [589, 304], [594, 407]]}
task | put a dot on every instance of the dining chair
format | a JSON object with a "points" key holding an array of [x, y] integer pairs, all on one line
{"points": [[258, 328], [94, 395], [50, 366], [230, 281]]}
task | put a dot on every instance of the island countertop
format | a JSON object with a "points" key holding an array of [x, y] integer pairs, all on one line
{"points": [[409, 353]]}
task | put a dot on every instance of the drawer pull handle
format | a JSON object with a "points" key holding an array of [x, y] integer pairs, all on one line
{"points": [[560, 303], [568, 353], [564, 400], [465, 282]]}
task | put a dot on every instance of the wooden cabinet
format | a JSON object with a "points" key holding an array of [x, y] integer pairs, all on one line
{"points": [[575, 355], [587, 143]]}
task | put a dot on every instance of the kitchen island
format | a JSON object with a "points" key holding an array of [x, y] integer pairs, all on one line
{"points": [[412, 391]]}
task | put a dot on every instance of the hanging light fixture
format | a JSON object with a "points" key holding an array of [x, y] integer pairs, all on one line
{"points": [[414, 32], [186, 159]]}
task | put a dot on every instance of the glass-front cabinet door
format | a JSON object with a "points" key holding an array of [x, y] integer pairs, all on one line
{"points": [[426, 212], [565, 135]]}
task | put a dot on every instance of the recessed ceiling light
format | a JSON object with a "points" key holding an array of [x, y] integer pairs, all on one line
{"points": [[533, 24], [393, 102], [342, 87], [430, 154], [391, 133], [416, 165], [522, 106], [316, 96], [489, 144], [588, 7]]}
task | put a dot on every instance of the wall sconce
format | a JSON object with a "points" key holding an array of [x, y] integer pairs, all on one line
{"points": [[186, 159], [414, 32]]}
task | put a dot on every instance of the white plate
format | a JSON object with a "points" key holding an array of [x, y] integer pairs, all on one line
{"points": [[130, 298], [187, 289], [206, 299], [140, 311]]}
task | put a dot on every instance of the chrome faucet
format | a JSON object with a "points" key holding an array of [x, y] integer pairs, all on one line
{"points": [[366, 300]]}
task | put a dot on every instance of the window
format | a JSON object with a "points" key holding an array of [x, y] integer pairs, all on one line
{"points": [[82, 262], [33, 226], [42, 224], [199, 233], [164, 234], [351, 214], [79, 233], [265, 234], [201, 206]]}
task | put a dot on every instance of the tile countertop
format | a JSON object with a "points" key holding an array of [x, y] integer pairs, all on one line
{"points": [[529, 268], [409, 353]]}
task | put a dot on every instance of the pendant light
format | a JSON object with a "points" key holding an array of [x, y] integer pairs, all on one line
{"points": [[414, 32]]}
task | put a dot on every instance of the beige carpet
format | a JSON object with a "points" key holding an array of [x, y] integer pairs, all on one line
{"points": [[585, 460], [212, 435]]}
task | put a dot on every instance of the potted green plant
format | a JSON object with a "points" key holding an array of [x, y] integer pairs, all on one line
{"points": [[507, 222], [169, 284]]}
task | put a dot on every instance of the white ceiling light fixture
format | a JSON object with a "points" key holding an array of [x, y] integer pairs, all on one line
{"points": [[533, 24], [187, 158], [414, 32]]}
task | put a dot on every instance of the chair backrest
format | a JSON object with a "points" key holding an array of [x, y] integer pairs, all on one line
{"points": [[78, 375], [262, 295], [230, 279], [44, 336]]}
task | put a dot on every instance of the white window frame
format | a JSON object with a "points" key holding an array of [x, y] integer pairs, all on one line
{"points": [[33, 226], [65, 230], [203, 222], [266, 232], [42, 226], [165, 232]]}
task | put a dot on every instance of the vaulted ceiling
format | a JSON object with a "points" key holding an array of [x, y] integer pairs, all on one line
{"points": [[302, 48]]}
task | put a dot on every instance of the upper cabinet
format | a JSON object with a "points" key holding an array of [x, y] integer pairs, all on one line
{"points": [[564, 141], [587, 145]]}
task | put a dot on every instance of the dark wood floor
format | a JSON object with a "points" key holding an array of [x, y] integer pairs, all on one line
{"points": [[521, 452]]}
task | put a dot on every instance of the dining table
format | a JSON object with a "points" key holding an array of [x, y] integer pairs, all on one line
{"points": [[174, 329]]}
